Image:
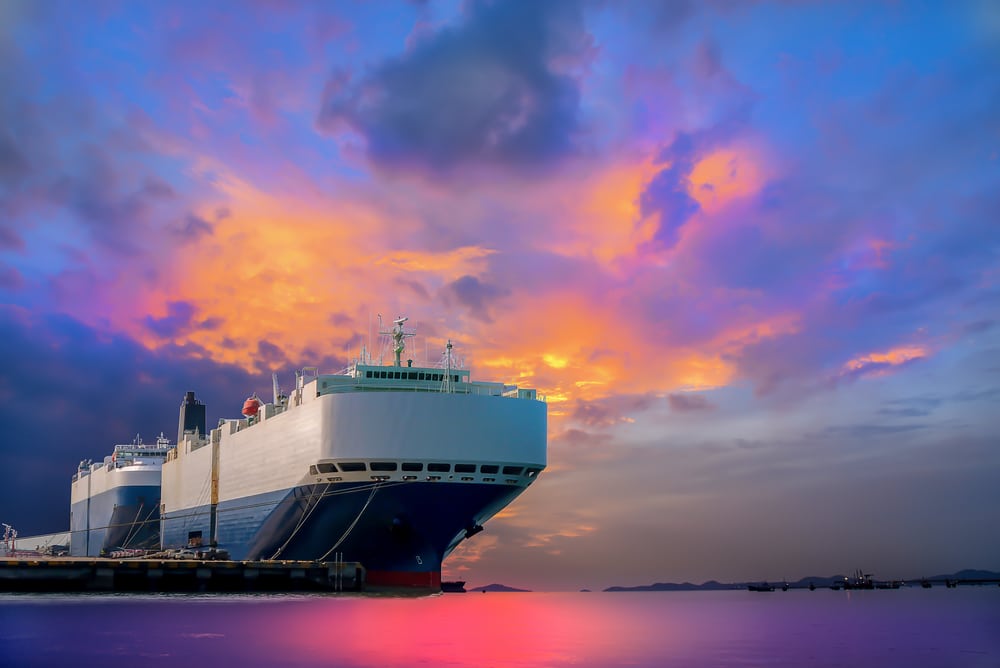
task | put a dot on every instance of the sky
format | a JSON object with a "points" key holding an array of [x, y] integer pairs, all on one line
{"points": [[748, 252]]}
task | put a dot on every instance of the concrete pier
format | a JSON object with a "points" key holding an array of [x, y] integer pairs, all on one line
{"points": [[68, 574]]}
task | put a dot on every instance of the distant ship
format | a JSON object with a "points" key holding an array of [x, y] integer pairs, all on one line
{"points": [[115, 503], [389, 466]]}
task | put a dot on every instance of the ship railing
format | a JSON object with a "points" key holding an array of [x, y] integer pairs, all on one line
{"points": [[400, 387], [143, 447]]}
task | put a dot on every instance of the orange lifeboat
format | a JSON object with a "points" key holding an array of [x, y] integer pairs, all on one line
{"points": [[251, 406]]}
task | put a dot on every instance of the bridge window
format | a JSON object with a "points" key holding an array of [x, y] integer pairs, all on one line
{"points": [[465, 468], [326, 467], [413, 466], [489, 468], [347, 467], [439, 468], [512, 470], [383, 466]]}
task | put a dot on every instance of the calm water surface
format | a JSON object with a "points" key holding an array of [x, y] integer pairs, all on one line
{"points": [[908, 627]]}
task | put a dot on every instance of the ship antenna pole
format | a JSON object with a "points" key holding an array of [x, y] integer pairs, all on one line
{"points": [[447, 379]]}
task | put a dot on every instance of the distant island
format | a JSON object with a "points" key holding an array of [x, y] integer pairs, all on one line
{"points": [[497, 587], [967, 575]]}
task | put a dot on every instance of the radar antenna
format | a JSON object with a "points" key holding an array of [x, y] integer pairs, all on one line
{"points": [[399, 336]]}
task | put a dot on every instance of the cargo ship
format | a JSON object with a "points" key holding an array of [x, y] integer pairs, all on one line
{"points": [[388, 465], [115, 503]]}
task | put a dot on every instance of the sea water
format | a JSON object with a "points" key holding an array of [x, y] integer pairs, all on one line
{"points": [[906, 627]]}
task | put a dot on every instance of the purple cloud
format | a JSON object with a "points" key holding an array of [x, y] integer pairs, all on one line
{"points": [[476, 296], [180, 319], [689, 403], [57, 377], [486, 91], [611, 410]]}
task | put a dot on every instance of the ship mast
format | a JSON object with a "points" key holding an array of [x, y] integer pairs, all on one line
{"points": [[447, 386], [399, 336]]}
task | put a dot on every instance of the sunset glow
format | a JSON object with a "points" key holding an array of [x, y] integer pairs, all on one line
{"points": [[746, 252]]}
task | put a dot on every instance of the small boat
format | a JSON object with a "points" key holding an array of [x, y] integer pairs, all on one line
{"points": [[761, 587], [455, 587]]}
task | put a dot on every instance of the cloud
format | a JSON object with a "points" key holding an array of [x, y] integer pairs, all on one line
{"points": [[62, 379], [191, 228], [10, 278], [487, 91], [476, 296], [669, 192], [611, 410], [10, 240], [180, 320], [269, 356], [687, 403]]}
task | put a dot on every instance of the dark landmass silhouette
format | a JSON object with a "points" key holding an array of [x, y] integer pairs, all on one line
{"points": [[497, 587], [968, 576]]}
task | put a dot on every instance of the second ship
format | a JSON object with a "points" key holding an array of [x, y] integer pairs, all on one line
{"points": [[389, 466]]}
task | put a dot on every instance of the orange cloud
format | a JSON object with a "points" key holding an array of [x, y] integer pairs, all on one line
{"points": [[877, 363], [305, 272], [277, 269], [725, 175]]}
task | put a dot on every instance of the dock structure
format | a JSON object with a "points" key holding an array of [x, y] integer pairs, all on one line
{"points": [[177, 575]]}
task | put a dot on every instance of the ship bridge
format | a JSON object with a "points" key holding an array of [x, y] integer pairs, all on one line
{"points": [[364, 377]]}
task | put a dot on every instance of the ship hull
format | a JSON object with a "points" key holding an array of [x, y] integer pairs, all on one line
{"points": [[120, 517], [400, 532]]}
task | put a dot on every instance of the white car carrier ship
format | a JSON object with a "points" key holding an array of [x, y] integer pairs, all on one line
{"points": [[389, 466], [115, 503]]}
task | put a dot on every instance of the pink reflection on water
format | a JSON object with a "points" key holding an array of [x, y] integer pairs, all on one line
{"points": [[473, 629], [896, 629]]}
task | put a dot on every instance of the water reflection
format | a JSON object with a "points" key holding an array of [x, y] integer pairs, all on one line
{"points": [[914, 627]]}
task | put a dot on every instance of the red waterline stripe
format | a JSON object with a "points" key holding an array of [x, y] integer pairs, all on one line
{"points": [[403, 579]]}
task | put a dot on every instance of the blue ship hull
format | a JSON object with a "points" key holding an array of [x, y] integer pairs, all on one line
{"points": [[399, 531], [122, 517]]}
